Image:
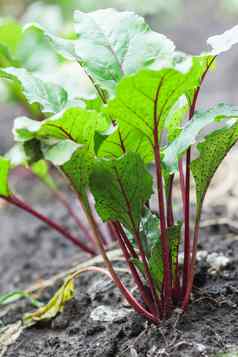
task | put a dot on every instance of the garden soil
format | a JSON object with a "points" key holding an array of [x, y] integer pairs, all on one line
{"points": [[97, 322]]}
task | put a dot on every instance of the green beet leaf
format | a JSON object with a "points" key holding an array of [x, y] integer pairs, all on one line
{"points": [[78, 169], [125, 140], [41, 170], [112, 44], [150, 95], [212, 151], [4, 173], [224, 42], [120, 188], [10, 37], [74, 124], [17, 155], [51, 97], [188, 136], [174, 120], [156, 259], [64, 47], [20, 154], [67, 140], [149, 230]]}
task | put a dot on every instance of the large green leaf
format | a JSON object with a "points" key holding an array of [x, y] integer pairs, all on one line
{"points": [[188, 136], [67, 141], [120, 188], [4, 172], [111, 44], [156, 259], [211, 153], [148, 96], [51, 97], [75, 124]]}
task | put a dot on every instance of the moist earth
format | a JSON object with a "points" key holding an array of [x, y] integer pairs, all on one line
{"points": [[31, 253]]}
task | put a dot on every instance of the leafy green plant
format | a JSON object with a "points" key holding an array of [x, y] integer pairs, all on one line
{"points": [[106, 146]]}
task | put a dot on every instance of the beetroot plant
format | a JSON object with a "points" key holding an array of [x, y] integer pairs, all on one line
{"points": [[122, 149]]}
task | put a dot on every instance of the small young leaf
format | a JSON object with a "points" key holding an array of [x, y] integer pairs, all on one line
{"points": [[17, 155], [51, 97], [192, 129], [111, 44], [156, 260], [55, 305], [212, 151], [41, 169], [14, 296], [59, 152], [150, 228], [4, 173], [120, 188]]}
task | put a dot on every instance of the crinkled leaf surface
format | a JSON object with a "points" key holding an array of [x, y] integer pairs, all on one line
{"points": [[120, 188], [192, 129], [156, 260], [211, 153], [51, 97], [150, 95], [111, 44], [64, 47], [4, 173]]}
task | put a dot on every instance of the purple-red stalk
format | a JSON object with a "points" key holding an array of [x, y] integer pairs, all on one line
{"points": [[167, 293], [60, 229], [170, 215], [125, 292], [186, 266], [77, 220], [142, 289]]}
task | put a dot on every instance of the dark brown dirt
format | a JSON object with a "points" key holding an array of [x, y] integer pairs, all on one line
{"points": [[30, 252]]}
